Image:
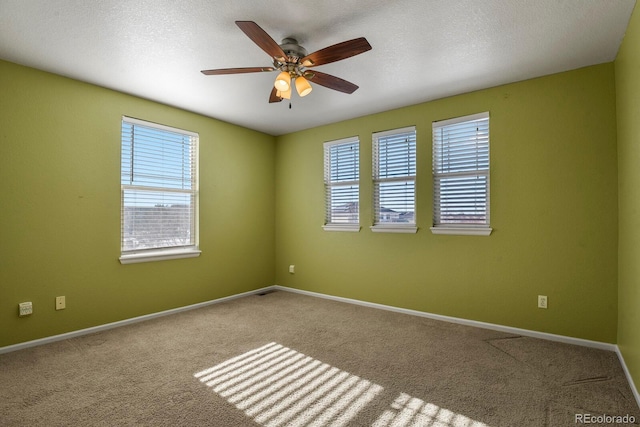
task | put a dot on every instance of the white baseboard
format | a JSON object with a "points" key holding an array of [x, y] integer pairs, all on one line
{"points": [[104, 327], [492, 326], [634, 390]]}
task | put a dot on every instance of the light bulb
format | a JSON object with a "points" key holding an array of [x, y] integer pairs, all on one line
{"points": [[283, 82]]}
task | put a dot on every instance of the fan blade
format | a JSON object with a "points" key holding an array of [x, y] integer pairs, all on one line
{"points": [[236, 70], [262, 39], [336, 52], [332, 82], [273, 97]]}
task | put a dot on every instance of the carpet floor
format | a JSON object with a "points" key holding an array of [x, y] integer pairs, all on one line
{"points": [[285, 359]]}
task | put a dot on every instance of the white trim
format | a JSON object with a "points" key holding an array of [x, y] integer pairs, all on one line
{"points": [[467, 322], [94, 329], [461, 119], [158, 126], [632, 385], [469, 231], [491, 326], [390, 132], [391, 137], [189, 250], [334, 227], [347, 140], [450, 319], [352, 186], [439, 175], [159, 255], [412, 229]]}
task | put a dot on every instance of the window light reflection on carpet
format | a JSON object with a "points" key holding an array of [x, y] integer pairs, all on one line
{"points": [[277, 386], [411, 411]]}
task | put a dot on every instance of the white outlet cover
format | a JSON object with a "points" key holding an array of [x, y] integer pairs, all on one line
{"points": [[26, 308], [542, 301]]}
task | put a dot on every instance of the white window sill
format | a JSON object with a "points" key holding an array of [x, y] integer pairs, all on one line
{"points": [[463, 231], [412, 229], [160, 255], [333, 227]]}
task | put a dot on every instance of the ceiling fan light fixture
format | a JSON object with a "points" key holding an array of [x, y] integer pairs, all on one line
{"points": [[286, 94], [291, 60], [283, 82], [303, 86]]}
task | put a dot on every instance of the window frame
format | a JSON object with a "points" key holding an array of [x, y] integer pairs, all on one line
{"points": [[157, 253], [462, 228], [393, 227], [329, 184]]}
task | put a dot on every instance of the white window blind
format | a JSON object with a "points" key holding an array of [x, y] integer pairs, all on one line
{"points": [[394, 178], [461, 172], [159, 187], [341, 181]]}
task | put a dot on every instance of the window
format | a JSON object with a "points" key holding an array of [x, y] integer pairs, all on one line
{"points": [[159, 186], [394, 180], [461, 175], [342, 189]]}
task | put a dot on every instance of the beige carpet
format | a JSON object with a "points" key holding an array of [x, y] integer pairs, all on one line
{"points": [[285, 359]]}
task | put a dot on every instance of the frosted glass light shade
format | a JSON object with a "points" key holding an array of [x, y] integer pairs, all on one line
{"points": [[283, 82], [302, 86], [284, 94]]}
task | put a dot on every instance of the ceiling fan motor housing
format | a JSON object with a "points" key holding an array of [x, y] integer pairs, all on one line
{"points": [[291, 63], [293, 50]]}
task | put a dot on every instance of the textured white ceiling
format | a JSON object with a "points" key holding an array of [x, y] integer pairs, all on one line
{"points": [[422, 49]]}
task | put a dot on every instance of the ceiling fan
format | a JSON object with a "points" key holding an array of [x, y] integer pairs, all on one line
{"points": [[293, 62]]}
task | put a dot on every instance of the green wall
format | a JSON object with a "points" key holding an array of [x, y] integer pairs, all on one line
{"points": [[627, 67], [553, 211], [60, 209]]}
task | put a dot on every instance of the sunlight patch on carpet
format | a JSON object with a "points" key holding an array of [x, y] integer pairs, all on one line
{"points": [[410, 411], [277, 386]]}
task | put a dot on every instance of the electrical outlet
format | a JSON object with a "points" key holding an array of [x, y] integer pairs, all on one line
{"points": [[292, 269], [542, 301], [26, 308], [61, 304]]}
